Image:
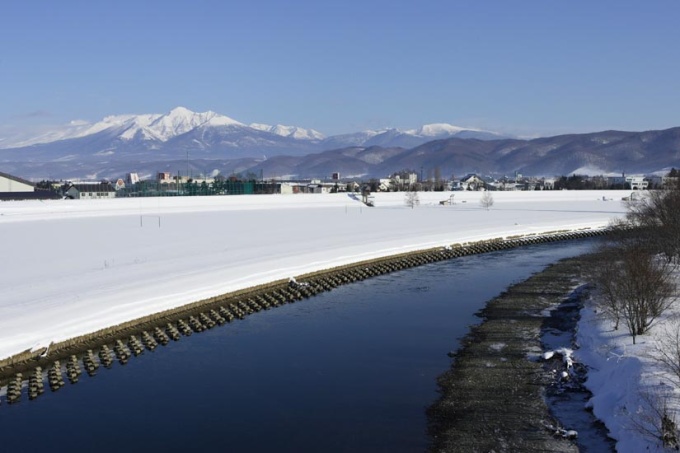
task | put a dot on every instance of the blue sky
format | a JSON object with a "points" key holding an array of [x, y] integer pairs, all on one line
{"points": [[526, 67]]}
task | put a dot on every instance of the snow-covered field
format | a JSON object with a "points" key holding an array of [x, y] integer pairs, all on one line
{"points": [[72, 267]]}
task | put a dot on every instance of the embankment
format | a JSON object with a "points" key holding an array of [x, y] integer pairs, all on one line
{"points": [[123, 341]]}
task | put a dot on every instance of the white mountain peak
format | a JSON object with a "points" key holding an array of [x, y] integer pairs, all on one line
{"points": [[181, 120], [438, 129], [161, 127], [289, 131]]}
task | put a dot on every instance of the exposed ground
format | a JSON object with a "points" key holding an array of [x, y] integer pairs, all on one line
{"points": [[493, 398]]}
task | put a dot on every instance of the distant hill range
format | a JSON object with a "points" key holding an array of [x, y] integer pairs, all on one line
{"points": [[183, 141]]}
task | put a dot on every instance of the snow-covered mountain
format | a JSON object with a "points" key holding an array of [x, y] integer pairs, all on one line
{"points": [[128, 127], [121, 141], [186, 142], [180, 120], [408, 138], [289, 131]]}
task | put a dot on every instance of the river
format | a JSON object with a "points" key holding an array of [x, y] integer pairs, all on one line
{"points": [[352, 369]]}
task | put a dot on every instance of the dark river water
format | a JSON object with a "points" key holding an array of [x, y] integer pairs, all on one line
{"points": [[350, 370]]}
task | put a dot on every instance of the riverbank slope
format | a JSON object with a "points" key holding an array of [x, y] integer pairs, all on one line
{"points": [[75, 267]]}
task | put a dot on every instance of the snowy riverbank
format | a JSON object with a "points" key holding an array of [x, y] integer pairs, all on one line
{"points": [[627, 380], [73, 267]]}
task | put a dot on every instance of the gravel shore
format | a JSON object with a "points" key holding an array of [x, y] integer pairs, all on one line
{"points": [[493, 397]]}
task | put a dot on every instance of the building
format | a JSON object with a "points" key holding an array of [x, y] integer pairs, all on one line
{"points": [[385, 184], [633, 182], [15, 188], [90, 190], [403, 180], [131, 179], [9, 183], [547, 184], [313, 186], [164, 177], [472, 182]]}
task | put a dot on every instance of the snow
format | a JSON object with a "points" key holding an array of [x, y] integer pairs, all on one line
{"points": [[624, 378], [131, 124], [593, 171], [289, 131], [76, 266], [19, 139], [153, 126], [437, 130], [180, 120]]}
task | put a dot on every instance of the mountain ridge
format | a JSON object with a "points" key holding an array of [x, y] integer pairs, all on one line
{"points": [[185, 141], [180, 120]]}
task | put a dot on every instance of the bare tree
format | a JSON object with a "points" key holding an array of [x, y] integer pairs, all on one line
{"points": [[635, 283], [411, 199], [656, 419], [487, 200], [438, 183], [644, 288], [656, 218], [603, 273], [667, 351]]}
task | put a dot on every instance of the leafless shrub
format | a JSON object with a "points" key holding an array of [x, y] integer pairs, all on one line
{"points": [[656, 216], [637, 286], [486, 201], [656, 419], [411, 199], [645, 289], [667, 351], [604, 276]]}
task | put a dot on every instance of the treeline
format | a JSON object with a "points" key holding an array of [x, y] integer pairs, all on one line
{"points": [[634, 268], [635, 276]]}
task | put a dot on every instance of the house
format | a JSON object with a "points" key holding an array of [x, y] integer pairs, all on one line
{"points": [[547, 184], [385, 184], [507, 184], [472, 182], [90, 190], [120, 184]]}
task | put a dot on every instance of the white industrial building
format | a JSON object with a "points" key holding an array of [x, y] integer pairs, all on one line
{"points": [[9, 183], [635, 182]]}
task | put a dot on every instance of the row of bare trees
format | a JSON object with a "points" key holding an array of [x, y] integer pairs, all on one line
{"points": [[634, 273], [634, 270]]}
